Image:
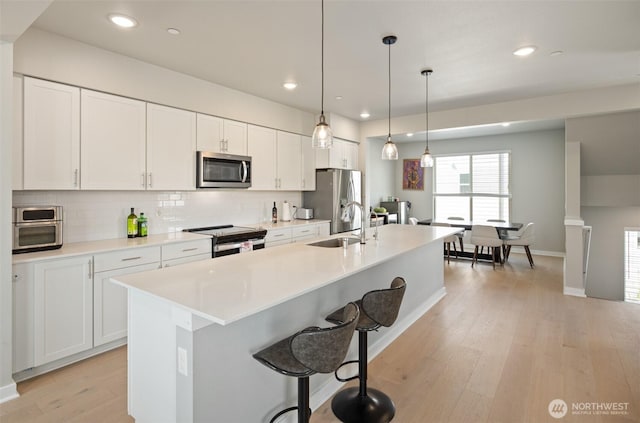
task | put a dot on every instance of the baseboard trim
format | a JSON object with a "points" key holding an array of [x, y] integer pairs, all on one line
{"points": [[328, 389], [575, 292], [8, 392]]}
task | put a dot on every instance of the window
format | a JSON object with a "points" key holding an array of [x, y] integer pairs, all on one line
{"points": [[472, 186], [632, 265]]}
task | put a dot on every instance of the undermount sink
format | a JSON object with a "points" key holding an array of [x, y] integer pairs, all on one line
{"points": [[333, 242]]}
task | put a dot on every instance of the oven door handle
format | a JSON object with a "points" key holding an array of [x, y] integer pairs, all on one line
{"points": [[235, 245]]}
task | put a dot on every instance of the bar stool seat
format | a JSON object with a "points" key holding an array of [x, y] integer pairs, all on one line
{"points": [[359, 404], [309, 351]]}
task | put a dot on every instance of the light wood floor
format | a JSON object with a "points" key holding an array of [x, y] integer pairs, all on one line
{"points": [[498, 348]]}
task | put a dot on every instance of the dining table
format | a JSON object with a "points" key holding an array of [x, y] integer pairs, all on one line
{"points": [[501, 227]]}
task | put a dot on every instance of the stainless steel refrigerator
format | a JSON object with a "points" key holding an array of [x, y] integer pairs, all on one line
{"points": [[399, 208], [335, 188]]}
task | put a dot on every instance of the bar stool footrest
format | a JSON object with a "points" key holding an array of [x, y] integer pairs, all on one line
{"points": [[348, 378], [375, 407]]}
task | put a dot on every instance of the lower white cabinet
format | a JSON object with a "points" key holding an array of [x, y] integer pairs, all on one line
{"points": [[23, 315], [186, 252], [63, 308], [296, 233], [277, 237], [110, 304]]}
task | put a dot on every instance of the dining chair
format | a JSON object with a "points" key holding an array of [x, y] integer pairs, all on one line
{"points": [[502, 233], [484, 235], [451, 239], [524, 239], [460, 235]]}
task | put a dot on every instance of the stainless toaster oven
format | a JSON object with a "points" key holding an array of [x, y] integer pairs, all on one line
{"points": [[37, 228]]}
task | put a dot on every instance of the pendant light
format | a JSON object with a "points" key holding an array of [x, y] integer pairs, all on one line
{"points": [[322, 135], [426, 160], [389, 150]]}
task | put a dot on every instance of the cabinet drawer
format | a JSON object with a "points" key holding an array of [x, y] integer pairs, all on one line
{"points": [[186, 249], [125, 258], [278, 235], [305, 231], [183, 260]]}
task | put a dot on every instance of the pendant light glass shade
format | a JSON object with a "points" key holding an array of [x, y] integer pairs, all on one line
{"points": [[389, 150], [322, 135], [426, 160]]}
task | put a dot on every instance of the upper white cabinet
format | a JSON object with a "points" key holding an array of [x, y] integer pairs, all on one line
{"points": [[308, 165], [261, 145], [17, 155], [63, 308], [51, 135], [288, 161], [276, 159], [342, 155], [221, 135], [171, 148], [113, 142]]}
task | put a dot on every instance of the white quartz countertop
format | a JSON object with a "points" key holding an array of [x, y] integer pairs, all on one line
{"points": [[106, 245], [229, 288]]}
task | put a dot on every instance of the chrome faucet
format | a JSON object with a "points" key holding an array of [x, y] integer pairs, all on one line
{"points": [[375, 234], [344, 215]]}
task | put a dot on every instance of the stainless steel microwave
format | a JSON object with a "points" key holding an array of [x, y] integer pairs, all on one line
{"points": [[219, 170], [37, 228]]}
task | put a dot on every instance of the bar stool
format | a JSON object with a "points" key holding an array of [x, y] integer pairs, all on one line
{"points": [[309, 351], [359, 404]]}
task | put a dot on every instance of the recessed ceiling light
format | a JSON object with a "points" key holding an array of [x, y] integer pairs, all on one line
{"points": [[123, 21], [364, 115], [556, 53], [525, 51], [290, 85], [410, 134], [338, 97], [173, 31]]}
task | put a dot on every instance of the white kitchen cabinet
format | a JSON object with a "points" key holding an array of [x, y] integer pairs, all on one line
{"points": [[23, 302], [63, 308], [261, 143], [171, 148], [277, 237], [16, 150], [308, 165], [342, 155], [109, 299], [186, 252], [288, 161], [219, 135], [51, 135], [113, 152]]}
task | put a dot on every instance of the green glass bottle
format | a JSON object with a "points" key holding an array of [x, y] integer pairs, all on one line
{"points": [[142, 225], [132, 225]]}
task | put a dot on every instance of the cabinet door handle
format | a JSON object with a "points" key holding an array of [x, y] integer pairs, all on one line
{"points": [[150, 181], [189, 249], [75, 178], [142, 179], [131, 258], [90, 268]]}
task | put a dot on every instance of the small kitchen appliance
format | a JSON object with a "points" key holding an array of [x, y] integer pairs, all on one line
{"points": [[218, 170], [36, 228], [304, 214]]}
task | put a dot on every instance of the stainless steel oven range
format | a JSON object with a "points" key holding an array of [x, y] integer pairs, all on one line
{"points": [[229, 239]]}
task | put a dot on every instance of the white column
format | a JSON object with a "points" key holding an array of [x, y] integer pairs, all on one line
{"points": [[573, 263]]}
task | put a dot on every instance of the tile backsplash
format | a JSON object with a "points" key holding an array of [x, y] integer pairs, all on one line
{"points": [[95, 215]]}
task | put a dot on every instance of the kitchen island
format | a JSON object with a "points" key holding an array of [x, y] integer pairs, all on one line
{"points": [[193, 328]]}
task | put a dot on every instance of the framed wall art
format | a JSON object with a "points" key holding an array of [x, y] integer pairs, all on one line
{"points": [[412, 174]]}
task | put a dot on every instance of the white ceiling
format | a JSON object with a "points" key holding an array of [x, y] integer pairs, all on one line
{"points": [[254, 46]]}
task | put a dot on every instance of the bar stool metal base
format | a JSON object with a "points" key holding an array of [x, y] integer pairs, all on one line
{"points": [[374, 407]]}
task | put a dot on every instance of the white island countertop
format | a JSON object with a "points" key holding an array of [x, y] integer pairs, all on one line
{"points": [[226, 289]]}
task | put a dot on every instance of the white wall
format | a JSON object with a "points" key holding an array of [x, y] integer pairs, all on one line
{"points": [[381, 183], [537, 179]]}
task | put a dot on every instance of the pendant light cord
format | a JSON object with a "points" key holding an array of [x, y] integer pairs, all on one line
{"points": [[389, 91], [426, 102], [322, 60]]}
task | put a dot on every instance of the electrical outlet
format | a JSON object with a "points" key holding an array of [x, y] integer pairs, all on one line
{"points": [[182, 362]]}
